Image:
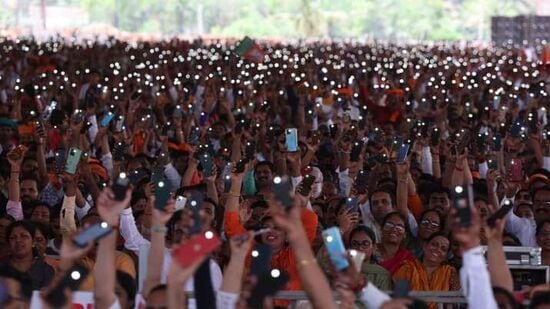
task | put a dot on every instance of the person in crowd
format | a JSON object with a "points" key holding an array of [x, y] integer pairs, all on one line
{"points": [[431, 223], [390, 252], [188, 113], [429, 272], [362, 239], [23, 258]]}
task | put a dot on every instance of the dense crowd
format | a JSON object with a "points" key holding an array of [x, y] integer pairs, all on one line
{"points": [[356, 168]]}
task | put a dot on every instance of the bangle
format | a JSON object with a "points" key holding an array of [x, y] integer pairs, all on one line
{"points": [[303, 263], [15, 172], [459, 169], [159, 228], [233, 194]]}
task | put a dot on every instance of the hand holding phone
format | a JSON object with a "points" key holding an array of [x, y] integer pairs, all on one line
{"points": [[463, 201], [335, 248], [291, 139], [162, 193], [91, 234], [120, 186], [195, 248], [72, 160]]}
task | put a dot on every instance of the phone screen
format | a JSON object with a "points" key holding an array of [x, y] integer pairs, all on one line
{"points": [[291, 140], [92, 233], [335, 248]]}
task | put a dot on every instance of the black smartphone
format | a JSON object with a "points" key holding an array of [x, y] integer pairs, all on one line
{"points": [[305, 187], [118, 151], [480, 142], [356, 151], [436, 135], [333, 130], [260, 263], [162, 193], [240, 166], [72, 280], [492, 164], [352, 205], [120, 186], [267, 285], [206, 164], [195, 202], [92, 234], [463, 200], [362, 182], [60, 160], [515, 130], [401, 289], [500, 213], [282, 187], [250, 150], [194, 136], [497, 142], [85, 127]]}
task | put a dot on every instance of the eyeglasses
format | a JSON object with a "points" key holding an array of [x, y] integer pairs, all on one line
{"points": [[360, 244], [429, 223], [392, 226]]}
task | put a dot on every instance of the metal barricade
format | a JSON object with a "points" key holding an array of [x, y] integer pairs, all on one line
{"points": [[440, 298]]}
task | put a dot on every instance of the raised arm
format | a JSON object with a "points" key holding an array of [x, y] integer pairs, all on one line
{"points": [[105, 269], [314, 281], [156, 251], [496, 259]]}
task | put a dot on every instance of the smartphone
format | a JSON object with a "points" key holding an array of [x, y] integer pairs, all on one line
{"points": [[157, 174], [356, 151], [206, 163], [92, 234], [291, 139], [203, 119], [240, 166], [137, 175], [497, 142], [85, 127], [119, 124], [60, 159], [352, 205], [480, 142], [267, 285], [282, 187], [492, 164], [436, 135], [305, 187], [250, 150], [358, 257], [162, 193], [333, 128], [335, 248], [72, 280], [118, 151], [47, 113], [195, 202], [362, 182], [500, 213], [194, 136], [515, 130], [107, 119], [199, 245], [463, 200], [401, 289], [515, 170], [402, 154], [181, 201], [40, 128], [120, 186], [72, 160], [260, 260]]}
